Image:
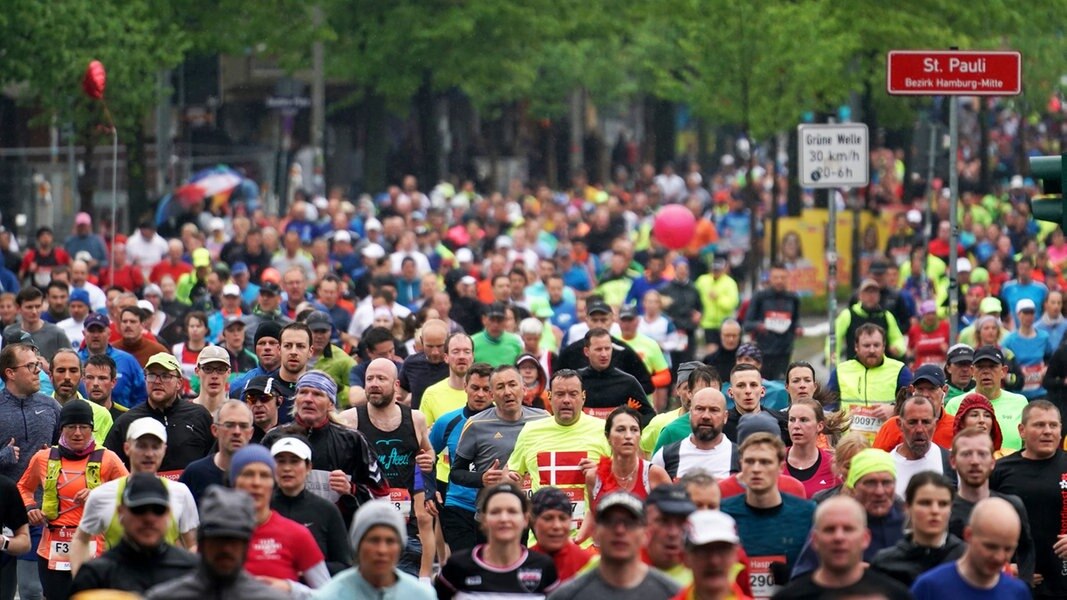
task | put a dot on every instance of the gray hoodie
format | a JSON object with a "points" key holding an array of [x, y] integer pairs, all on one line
{"points": [[32, 421]]}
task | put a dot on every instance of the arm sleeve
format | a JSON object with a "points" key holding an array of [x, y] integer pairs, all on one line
{"points": [[190, 518], [93, 515], [370, 475], [338, 552], [31, 479], [841, 324], [753, 315], [113, 442], [463, 461]]}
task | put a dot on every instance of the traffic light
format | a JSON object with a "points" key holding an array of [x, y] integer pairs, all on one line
{"points": [[1052, 171]]}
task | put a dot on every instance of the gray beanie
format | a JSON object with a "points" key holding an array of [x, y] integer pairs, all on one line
{"points": [[373, 513], [756, 422]]}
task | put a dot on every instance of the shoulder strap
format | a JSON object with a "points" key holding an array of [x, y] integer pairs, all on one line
{"points": [[671, 457], [646, 467]]}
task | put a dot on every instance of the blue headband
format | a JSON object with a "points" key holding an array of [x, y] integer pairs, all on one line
{"points": [[318, 380]]}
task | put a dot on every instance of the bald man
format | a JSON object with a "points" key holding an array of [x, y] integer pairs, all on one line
{"points": [[398, 434], [839, 537], [706, 447], [992, 536], [425, 368]]}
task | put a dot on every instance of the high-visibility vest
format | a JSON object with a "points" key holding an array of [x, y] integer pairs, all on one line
{"points": [[114, 530], [50, 499]]}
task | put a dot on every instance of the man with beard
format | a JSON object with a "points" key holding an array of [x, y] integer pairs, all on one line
{"points": [[226, 526], [267, 348], [188, 425], [264, 396], [1036, 476], [58, 295], [232, 430], [449, 394], [990, 369], [66, 376], [99, 376], [706, 448], [399, 437], [345, 463], [868, 383], [129, 389], [486, 443], [423, 369], [917, 452], [972, 458]]}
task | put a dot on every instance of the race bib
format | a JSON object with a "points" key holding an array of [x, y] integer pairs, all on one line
{"points": [[171, 475], [527, 485], [777, 321], [401, 501], [577, 498], [600, 413], [760, 576], [865, 420], [58, 542], [1032, 376]]}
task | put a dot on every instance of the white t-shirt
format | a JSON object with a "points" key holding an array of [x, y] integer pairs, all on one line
{"points": [[906, 469], [715, 461], [102, 504]]}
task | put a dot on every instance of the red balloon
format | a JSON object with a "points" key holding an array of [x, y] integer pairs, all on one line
{"points": [[674, 226], [95, 80]]}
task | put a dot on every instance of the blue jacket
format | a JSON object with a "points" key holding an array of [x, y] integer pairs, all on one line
{"points": [[130, 389]]}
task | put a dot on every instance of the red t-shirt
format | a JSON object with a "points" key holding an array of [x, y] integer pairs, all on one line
{"points": [[282, 548], [929, 347], [165, 268], [569, 560], [786, 484]]}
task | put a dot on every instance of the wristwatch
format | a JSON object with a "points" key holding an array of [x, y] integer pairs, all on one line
{"points": [[5, 543]]}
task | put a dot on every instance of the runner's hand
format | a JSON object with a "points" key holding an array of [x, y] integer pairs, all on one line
{"points": [[884, 411], [339, 482], [81, 496], [35, 516], [1060, 547], [14, 449], [424, 459], [493, 475], [586, 465]]}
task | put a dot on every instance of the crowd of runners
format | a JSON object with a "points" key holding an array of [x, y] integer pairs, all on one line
{"points": [[448, 394]]}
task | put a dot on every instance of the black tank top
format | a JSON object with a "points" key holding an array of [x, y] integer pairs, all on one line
{"points": [[396, 449]]}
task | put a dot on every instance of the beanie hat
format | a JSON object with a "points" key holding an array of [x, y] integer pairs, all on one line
{"points": [[754, 423], [871, 460], [76, 412], [318, 380], [372, 514], [252, 453], [976, 400], [269, 329], [550, 498]]}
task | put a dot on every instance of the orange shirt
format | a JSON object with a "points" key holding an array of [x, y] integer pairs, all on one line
{"points": [[889, 436], [71, 481]]}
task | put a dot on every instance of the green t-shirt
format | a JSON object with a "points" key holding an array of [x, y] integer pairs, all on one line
{"points": [[1008, 407], [650, 434], [501, 351], [678, 429]]}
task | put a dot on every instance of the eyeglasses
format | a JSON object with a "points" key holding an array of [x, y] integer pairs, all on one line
{"points": [[258, 398], [33, 367], [168, 377], [214, 370], [79, 427], [154, 509], [234, 425]]}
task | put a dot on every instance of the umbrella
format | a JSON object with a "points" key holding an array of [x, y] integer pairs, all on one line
{"points": [[208, 183]]}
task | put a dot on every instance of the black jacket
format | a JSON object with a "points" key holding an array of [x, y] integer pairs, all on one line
{"points": [[623, 358], [684, 300], [906, 560], [188, 432], [202, 585], [324, 522], [336, 447], [776, 305], [611, 388], [132, 569]]}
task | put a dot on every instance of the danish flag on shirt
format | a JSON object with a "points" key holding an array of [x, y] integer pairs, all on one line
{"points": [[560, 468]]}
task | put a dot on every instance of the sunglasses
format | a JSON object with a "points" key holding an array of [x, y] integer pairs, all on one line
{"points": [[252, 398], [154, 509]]}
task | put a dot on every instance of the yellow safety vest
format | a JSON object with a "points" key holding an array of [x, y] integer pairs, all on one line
{"points": [[50, 499]]}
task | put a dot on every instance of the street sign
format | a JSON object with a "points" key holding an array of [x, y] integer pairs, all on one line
{"points": [[953, 73], [288, 102], [833, 156]]}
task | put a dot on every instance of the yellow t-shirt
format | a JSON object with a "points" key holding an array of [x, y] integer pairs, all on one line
{"points": [[438, 400], [650, 433], [550, 453]]}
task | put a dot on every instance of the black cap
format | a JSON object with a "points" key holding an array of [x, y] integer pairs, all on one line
{"points": [[233, 320], [930, 373], [269, 287], [550, 498], [960, 353], [989, 353], [268, 329], [628, 311], [76, 412], [319, 321], [597, 306], [266, 384], [878, 266], [16, 335], [496, 309], [145, 489], [226, 513], [671, 499]]}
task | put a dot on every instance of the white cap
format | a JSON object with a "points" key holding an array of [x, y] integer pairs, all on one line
{"points": [[146, 305], [1025, 304], [914, 216], [231, 289], [504, 242], [1016, 182], [292, 446], [342, 236], [709, 526], [464, 255], [372, 224], [468, 280], [373, 251], [963, 264], [146, 426], [321, 202], [217, 224]]}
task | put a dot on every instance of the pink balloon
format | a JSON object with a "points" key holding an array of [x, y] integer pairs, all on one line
{"points": [[674, 226]]}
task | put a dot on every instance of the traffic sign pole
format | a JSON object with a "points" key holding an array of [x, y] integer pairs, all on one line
{"points": [[831, 278], [953, 221]]}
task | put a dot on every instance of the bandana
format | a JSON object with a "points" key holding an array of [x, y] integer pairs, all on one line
{"points": [[871, 460], [318, 380]]}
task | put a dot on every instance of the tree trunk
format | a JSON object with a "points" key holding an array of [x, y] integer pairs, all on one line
{"points": [[374, 142], [429, 140]]}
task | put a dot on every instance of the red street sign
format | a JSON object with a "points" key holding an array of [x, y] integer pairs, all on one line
{"points": [[953, 73]]}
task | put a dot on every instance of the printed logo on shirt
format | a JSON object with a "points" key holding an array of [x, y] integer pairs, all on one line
{"points": [[267, 547], [530, 578], [560, 468], [497, 436], [473, 580]]}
